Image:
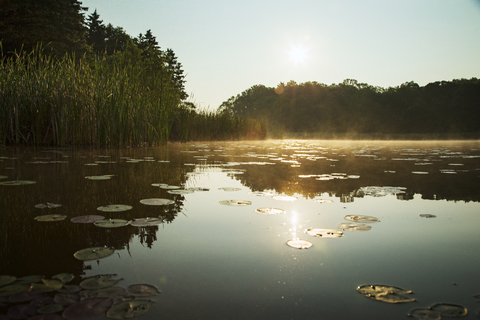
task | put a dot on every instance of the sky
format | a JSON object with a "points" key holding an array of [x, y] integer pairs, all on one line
{"points": [[227, 46]]}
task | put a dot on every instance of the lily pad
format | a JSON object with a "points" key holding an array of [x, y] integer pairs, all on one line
{"points": [[145, 222], [229, 189], [111, 223], [17, 182], [449, 310], [87, 219], [87, 309], [355, 227], [299, 243], [142, 290], [129, 309], [66, 298], [427, 215], [24, 296], [72, 288], [98, 177], [180, 191], [198, 189], [31, 278], [4, 280], [425, 314], [269, 211], [109, 292], [285, 198], [235, 202], [385, 293], [157, 202], [169, 187], [360, 218], [160, 185], [114, 208], [51, 217], [99, 281], [14, 288], [324, 233], [64, 277], [48, 205], [48, 285], [94, 253]]}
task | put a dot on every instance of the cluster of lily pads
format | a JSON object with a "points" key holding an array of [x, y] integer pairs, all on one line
{"points": [[37, 298], [101, 221], [391, 294], [357, 225]]}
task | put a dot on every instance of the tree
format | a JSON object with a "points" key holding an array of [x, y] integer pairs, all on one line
{"points": [[96, 32], [116, 39], [58, 25], [176, 70]]}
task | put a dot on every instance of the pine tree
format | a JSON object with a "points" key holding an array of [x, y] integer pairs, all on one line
{"points": [[176, 69], [96, 32]]}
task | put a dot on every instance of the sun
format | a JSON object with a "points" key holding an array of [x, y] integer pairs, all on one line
{"points": [[297, 54]]}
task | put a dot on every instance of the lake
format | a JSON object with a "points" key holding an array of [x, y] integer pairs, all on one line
{"points": [[221, 249]]}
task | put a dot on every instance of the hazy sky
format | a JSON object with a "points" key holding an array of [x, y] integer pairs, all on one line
{"points": [[227, 46]]}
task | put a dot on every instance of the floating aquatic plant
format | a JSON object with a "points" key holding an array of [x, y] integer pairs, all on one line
{"points": [[355, 227], [17, 182], [47, 285], [111, 223], [51, 308], [87, 219], [427, 215], [146, 222], [114, 208], [48, 205], [361, 218], [450, 310], [51, 217], [261, 193], [13, 288], [324, 233], [157, 202], [5, 279], [180, 191], [103, 177], [108, 292], [299, 243], [129, 309], [94, 253], [425, 314], [235, 202], [99, 281], [229, 189], [64, 277], [142, 290], [66, 298], [385, 293], [198, 189], [269, 211]]}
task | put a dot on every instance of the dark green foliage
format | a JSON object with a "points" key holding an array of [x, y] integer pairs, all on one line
{"points": [[96, 33], [57, 24], [356, 109]]}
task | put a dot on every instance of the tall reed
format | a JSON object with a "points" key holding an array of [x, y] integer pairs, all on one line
{"points": [[111, 100]]}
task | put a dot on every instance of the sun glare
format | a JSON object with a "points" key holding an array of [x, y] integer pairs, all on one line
{"points": [[298, 54]]}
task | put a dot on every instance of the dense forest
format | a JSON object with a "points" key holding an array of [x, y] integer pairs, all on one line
{"points": [[69, 79], [441, 109]]}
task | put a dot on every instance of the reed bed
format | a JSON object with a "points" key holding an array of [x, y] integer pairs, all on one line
{"points": [[108, 101]]}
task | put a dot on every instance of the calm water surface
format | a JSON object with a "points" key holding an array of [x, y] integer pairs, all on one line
{"points": [[214, 261]]}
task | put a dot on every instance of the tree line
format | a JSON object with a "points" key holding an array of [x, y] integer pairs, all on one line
{"points": [[353, 109]]}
